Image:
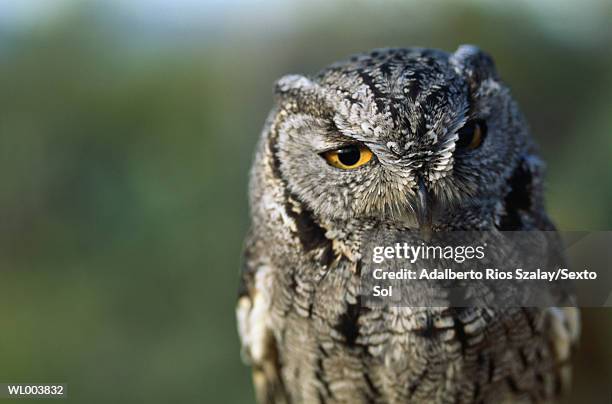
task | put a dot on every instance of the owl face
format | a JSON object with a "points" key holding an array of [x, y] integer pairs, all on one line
{"points": [[405, 135]]}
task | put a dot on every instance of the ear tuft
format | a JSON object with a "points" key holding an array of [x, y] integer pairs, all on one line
{"points": [[474, 63], [293, 83]]}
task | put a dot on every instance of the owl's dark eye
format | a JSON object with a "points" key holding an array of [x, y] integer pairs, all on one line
{"points": [[472, 134], [348, 157]]}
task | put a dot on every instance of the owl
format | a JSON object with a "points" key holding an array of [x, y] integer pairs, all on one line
{"points": [[408, 141]]}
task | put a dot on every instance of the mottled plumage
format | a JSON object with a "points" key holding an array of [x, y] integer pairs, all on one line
{"points": [[303, 327]]}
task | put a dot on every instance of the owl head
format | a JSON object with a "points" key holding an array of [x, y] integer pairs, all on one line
{"points": [[415, 136]]}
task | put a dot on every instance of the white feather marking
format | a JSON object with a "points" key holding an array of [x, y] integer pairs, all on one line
{"points": [[253, 318]]}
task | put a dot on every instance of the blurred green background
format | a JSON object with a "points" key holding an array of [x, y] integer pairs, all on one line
{"points": [[126, 134]]}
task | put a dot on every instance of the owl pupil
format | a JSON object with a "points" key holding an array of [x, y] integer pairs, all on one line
{"points": [[471, 134], [349, 155], [466, 134]]}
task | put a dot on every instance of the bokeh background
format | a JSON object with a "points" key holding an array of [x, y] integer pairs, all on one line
{"points": [[126, 133]]}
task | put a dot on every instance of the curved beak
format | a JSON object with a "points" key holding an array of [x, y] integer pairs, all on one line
{"points": [[423, 209]]}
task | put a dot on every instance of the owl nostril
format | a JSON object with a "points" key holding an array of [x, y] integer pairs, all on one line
{"points": [[394, 148]]}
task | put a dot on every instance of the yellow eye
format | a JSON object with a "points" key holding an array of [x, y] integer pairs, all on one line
{"points": [[348, 157], [472, 134]]}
